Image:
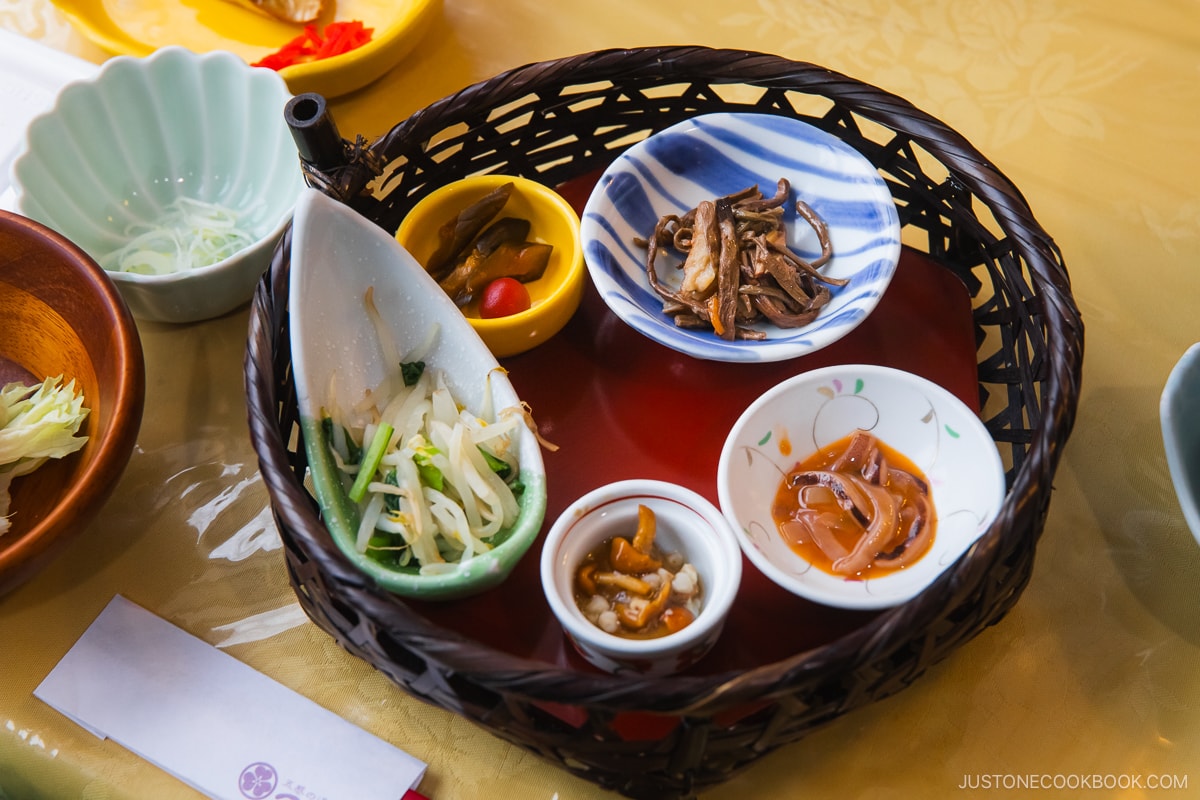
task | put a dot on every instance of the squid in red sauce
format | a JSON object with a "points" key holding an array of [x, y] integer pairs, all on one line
{"points": [[856, 509]]}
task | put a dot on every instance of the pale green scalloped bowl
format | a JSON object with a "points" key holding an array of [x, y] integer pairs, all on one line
{"points": [[118, 148]]}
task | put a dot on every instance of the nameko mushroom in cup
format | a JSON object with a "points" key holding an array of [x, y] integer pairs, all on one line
{"points": [[662, 562]]}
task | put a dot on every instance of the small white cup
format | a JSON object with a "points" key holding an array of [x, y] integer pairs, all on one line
{"points": [[686, 523]]}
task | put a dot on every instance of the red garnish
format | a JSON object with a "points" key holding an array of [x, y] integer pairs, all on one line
{"points": [[336, 39]]}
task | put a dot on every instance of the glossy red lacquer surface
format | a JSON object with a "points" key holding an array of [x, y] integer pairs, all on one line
{"points": [[619, 405]]}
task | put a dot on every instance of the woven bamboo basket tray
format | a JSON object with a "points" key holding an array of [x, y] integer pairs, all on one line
{"points": [[556, 121]]}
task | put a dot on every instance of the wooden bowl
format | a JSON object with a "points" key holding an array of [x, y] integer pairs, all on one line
{"points": [[63, 315]]}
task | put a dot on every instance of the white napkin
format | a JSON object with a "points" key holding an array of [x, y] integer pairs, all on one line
{"points": [[218, 725], [31, 75]]}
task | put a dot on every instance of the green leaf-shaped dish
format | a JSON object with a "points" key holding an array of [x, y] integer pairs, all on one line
{"points": [[336, 256]]}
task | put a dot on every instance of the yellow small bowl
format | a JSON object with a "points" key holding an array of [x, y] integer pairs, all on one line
{"points": [[554, 297]]}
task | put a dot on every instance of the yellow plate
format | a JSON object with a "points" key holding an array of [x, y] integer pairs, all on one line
{"points": [[139, 27]]}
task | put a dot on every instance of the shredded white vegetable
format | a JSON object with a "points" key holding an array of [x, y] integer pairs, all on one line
{"points": [[434, 499], [37, 423], [191, 233]]}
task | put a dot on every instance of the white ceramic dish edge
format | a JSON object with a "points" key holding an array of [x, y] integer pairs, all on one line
{"points": [[33, 75], [1180, 424]]}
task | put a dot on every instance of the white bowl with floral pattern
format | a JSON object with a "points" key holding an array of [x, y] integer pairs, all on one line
{"points": [[943, 437]]}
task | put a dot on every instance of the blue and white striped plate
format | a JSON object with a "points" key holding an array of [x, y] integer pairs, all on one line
{"points": [[714, 155]]}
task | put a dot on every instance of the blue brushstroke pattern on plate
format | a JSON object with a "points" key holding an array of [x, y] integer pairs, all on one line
{"points": [[714, 155]]}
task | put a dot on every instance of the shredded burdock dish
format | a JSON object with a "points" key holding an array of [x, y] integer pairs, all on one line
{"points": [[737, 267]]}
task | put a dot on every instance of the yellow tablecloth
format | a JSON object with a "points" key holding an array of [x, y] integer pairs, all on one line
{"points": [[1092, 108]]}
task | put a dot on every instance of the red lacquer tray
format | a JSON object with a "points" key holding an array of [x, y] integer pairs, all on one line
{"points": [[619, 405]]}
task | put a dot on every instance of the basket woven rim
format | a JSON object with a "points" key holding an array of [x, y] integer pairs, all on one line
{"points": [[689, 693]]}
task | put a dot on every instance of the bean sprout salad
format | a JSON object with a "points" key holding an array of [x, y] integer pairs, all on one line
{"points": [[434, 482]]}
